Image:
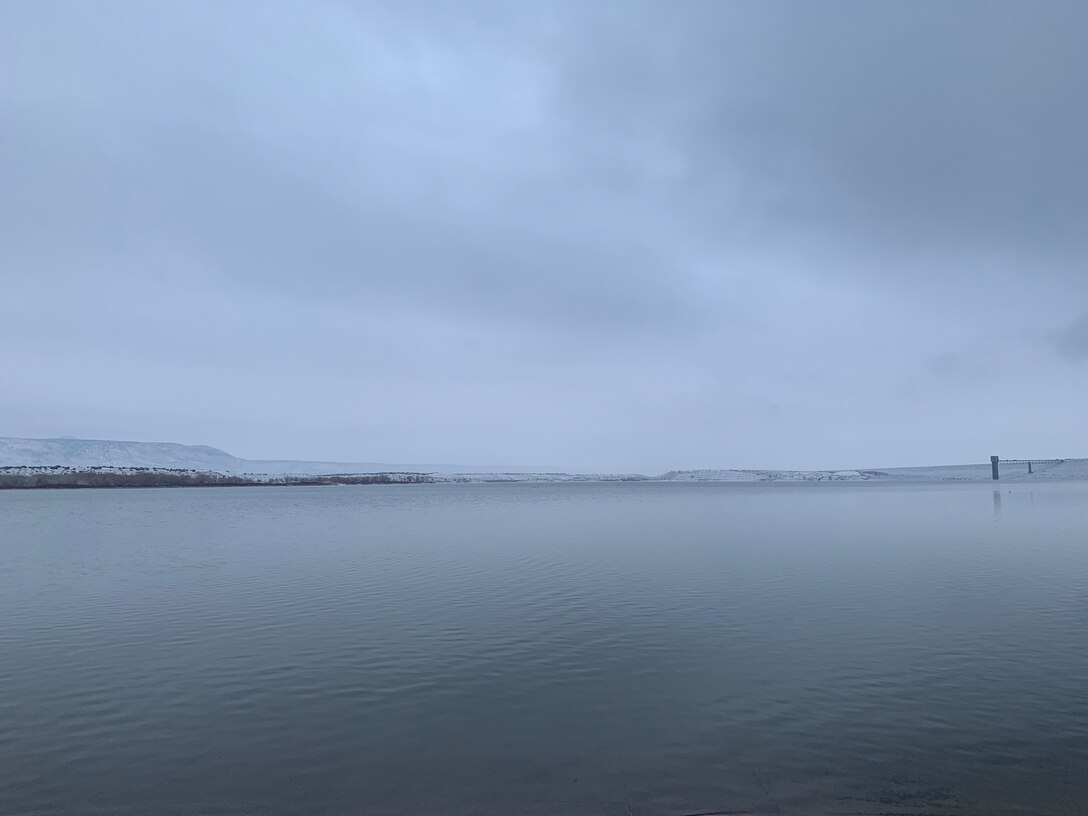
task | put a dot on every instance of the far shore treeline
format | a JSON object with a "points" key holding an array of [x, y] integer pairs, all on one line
{"points": [[66, 477]]}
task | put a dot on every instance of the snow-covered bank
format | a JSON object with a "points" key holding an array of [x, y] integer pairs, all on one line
{"points": [[1064, 470], [1067, 469], [106, 476], [537, 477], [766, 476]]}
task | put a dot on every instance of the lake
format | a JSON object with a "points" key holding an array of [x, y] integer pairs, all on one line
{"points": [[616, 648]]}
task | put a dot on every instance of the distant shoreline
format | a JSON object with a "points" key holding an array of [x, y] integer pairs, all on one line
{"points": [[67, 462], [60, 477], [36, 477]]}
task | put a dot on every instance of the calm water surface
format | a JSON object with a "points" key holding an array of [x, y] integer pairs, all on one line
{"points": [[536, 649]]}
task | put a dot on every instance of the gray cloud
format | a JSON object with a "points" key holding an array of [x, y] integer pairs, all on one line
{"points": [[579, 235], [1072, 341]]}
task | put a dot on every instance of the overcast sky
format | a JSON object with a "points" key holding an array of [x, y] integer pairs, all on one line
{"points": [[610, 236]]}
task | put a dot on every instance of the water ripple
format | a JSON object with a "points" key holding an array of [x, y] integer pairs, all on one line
{"points": [[538, 649]]}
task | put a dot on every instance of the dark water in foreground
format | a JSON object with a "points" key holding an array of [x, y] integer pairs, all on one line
{"points": [[533, 649]]}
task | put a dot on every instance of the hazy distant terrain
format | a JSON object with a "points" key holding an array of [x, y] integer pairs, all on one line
{"points": [[76, 453], [1066, 469], [49, 462]]}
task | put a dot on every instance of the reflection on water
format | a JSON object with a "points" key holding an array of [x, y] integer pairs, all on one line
{"points": [[625, 648]]}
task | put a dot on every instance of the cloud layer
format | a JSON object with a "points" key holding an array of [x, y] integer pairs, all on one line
{"points": [[608, 236]]}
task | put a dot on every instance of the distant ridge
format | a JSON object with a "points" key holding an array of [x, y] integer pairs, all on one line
{"points": [[77, 454], [87, 453]]}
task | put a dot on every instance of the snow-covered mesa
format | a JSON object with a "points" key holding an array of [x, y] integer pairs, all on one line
{"points": [[83, 454]]}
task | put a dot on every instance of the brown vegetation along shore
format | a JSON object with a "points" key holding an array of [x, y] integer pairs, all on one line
{"points": [[28, 478]]}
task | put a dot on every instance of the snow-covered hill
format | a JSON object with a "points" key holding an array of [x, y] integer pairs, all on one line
{"points": [[1067, 469], [86, 453]]}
